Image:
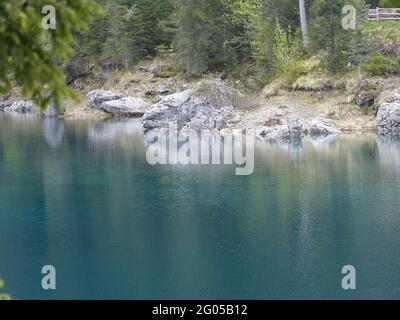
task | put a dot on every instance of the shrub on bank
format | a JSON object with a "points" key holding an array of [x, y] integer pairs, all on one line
{"points": [[380, 65]]}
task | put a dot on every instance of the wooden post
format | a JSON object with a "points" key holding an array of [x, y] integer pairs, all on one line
{"points": [[377, 13]]}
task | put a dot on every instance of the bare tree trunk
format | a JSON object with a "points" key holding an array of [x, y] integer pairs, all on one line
{"points": [[303, 20]]}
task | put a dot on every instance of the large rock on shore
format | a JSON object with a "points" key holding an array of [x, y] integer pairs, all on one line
{"points": [[5, 102], [388, 118], [296, 128], [209, 105], [126, 107], [293, 130], [20, 107], [96, 98], [115, 104], [322, 127]]}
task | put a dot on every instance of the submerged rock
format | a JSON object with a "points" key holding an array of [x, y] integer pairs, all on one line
{"points": [[20, 107], [210, 105], [388, 118], [322, 127]]}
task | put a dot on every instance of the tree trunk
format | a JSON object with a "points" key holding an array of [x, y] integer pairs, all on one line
{"points": [[303, 20]]}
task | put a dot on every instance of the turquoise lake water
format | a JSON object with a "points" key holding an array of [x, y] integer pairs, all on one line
{"points": [[80, 196]]}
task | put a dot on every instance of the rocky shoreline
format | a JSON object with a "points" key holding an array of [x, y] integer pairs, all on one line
{"points": [[213, 105]]}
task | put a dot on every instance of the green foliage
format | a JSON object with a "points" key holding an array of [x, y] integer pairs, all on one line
{"points": [[285, 52], [379, 65], [201, 35], [384, 36], [390, 3], [165, 51], [128, 32], [147, 28], [248, 29], [23, 57], [327, 33], [256, 39]]}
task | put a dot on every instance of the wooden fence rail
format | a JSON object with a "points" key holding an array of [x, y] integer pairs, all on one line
{"points": [[384, 14]]}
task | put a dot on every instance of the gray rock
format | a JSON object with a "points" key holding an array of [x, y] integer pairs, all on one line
{"points": [[275, 134], [96, 98], [216, 93], [155, 70], [211, 118], [180, 107], [163, 90], [5, 101], [151, 92], [322, 127], [115, 104], [205, 107], [20, 107], [272, 122], [126, 107], [388, 118], [293, 130], [296, 128]]}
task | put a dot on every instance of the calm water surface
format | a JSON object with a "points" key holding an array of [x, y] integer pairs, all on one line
{"points": [[80, 196]]}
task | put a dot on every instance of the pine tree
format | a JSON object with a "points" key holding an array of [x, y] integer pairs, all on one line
{"points": [[201, 35], [329, 35], [114, 49], [146, 27]]}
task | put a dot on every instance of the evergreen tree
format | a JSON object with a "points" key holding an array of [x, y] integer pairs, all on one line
{"points": [[115, 47], [328, 34], [201, 35]]}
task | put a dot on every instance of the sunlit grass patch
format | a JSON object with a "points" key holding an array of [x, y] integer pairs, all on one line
{"points": [[385, 31]]}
